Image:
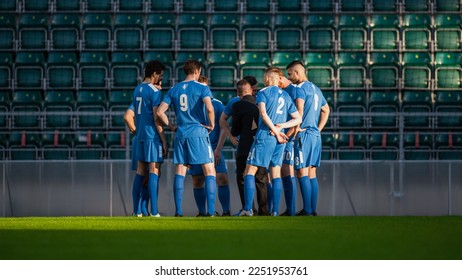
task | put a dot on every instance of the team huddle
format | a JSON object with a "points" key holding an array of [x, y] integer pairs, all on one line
{"points": [[276, 130]]}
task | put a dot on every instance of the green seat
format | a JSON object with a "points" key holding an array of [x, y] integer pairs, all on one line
{"points": [[386, 103], [89, 145], [26, 107], [330, 98], [194, 5], [319, 6], [68, 5], [128, 31], [448, 146], [33, 32], [351, 70], [96, 31], [319, 67], [125, 69], [416, 31], [328, 146], [282, 59], [56, 145], [448, 71], [166, 58], [182, 57], [224, 31], [447, 5], [448, 109], [100, 5], [222, 69], [384, 70], [94, 69], [163, 6], [119, 101], [254, 64], [7, 31], [288, 31], [256, 33], [353, 6], [224, 95], [91, 108], [416, 105], [258, 6], [417, 146], [352, 107], [289, 5], [116, 144], [61, 70], [352, 32], [415, 5], [416, 71], [384, 5], [24, 145], [58, 108], [8, 6], [351, 146], [320, 32], [131, 6], [225, 5], [192, 30], [160, 31], [65, 31], [36, 5], [29, 70], [447, 32], [4, 108], [384, 146], [384, 32], [6, 64]]}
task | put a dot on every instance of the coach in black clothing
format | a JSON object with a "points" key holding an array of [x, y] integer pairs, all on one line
{"points": [[245, 122]]}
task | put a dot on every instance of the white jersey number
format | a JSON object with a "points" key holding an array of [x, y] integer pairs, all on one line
{"points": [[184, 102], [316, 102], [140, 100], [281, 103]]}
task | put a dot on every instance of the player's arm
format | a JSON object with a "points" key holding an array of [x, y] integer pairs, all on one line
{"points": [[129, 118], [300, 104], [324, 116], [210, 113], [160, 113], [227, 130], [275, 130], [160, 130]]}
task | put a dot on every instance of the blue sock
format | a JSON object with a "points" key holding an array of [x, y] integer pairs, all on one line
{"points": [[211, 190], [277, 193], [224, 197], [314, 193], [136, 193], [178, 189], [294, 197], [249, 191], [305, 189], [289, 187], [153, 191], [200, 198], [144, 200], [269, 192]]}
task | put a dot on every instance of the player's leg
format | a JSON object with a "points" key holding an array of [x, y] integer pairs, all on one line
{"points": [[199, 190], [153, 187], [288, 179], [277, 188], [210, 186], [314, 189], [178, 188], [137, 186], [223, 192], [269, 191], [305, 190], [240, 167], [261, 181], [249, 187]]}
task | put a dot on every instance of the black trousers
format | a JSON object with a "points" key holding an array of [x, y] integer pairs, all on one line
{"points": [[261, 179]]}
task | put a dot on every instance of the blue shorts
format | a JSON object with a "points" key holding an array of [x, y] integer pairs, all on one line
{"points": [[196, 169], [134, 161], [289, 153], [149, 151], [195, 150], [307, 150], [266, 152]]}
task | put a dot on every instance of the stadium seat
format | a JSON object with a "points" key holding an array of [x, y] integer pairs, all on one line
{"points": [[29, 71], [125, 70], [352, 106], [417, 105], [160, 31], [289, 6], [258, 6], [448, 70], [58, 107], [193, 5], [222, 69], [256, 33], [5, 103], [24, 145], [384, 6], [119, 101], [131, 6], [328, 146], [416, 32], [7, 32], [352, 32], [56, 145], [93, 70], [384, 146], [254, 64], [33, 32], [67, 5], [320, 32], [116, 144], [64, 32], [96, 31], [282, 59], [288, 32], [353, 5], [224, 95], [384, 32], [99, 5], [224, 31], [447, 32], [26, 107], [330, 98], [192, 31], [386, 103], [89, 145], [41, 6], [61, 70], [448, 109], [320, 69], [351, 146], [384, 70], [320, 6], [9, 6], [225, 5], [6, 64], [415, 5], [417, 146], [351, 71], [447, 5], [3, 147], [416, 70], [163, 6], [91, 108], [167, 59], [182, 57], [448, 146], [128, 31]]}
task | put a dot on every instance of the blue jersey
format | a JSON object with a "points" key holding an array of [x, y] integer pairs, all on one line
{"points": [[314, 100], [187, 99], [218, 107], [145, 97], [278, 105], [229, 106]]}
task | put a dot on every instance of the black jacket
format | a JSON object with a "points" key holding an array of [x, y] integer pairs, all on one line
{"points": [[245, 122]]}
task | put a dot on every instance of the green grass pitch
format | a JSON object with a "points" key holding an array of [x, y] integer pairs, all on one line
{"points": [[220, 238]]}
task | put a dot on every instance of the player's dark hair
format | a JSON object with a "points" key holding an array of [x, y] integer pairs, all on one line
{"points": [[203, 79], [190, 66], [294, 63], [153, 66], [251, 79]]}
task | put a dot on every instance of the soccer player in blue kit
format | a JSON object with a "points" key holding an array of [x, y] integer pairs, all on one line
{"points": [[192, 143], [276, 108], [307, 145], [151, 143]]}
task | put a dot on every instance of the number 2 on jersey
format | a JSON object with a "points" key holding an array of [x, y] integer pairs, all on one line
{"points": [[281, 103]]}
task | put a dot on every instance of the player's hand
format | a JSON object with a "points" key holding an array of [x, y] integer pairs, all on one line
{"points": [[217, 156], [234, 140], [282, 138], [208, 127], [159, 85]]}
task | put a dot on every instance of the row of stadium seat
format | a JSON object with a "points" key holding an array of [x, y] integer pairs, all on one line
{"points": [[90, 144], [212, 6], [409, 32]]}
